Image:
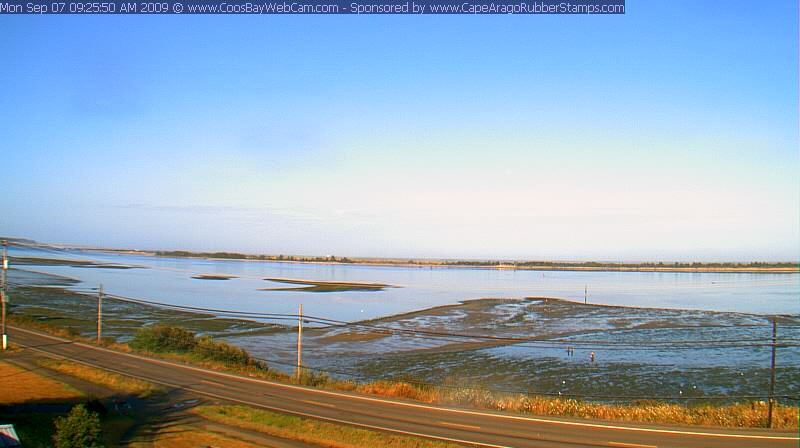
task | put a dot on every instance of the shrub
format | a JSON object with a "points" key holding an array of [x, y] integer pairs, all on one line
{"points": [[79, 429], [162, 338], [314, 379], [207, 348], [166, 339]]}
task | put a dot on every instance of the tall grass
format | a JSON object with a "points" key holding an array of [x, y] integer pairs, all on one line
{"points": [[310, 431], [66, 333], [749, 414], [111, 380], [746, 415]]}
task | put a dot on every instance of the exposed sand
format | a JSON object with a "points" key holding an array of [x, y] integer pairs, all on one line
{"points": [[325, 286], [213, 277]]}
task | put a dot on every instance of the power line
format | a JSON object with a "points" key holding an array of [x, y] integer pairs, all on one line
{"points": [[193, 308], [437, 335], [367, 377], [450, 336]]}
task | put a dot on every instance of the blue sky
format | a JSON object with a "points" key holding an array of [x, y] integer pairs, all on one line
{"points": [[668, 133]]}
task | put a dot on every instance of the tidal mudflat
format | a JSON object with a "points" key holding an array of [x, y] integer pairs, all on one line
{"points": [[397, 337], [42, 261], [49, 299], [638, 352]]}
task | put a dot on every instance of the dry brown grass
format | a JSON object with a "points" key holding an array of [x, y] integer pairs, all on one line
{"points": [[111, 380], [731, 415], [190, 437], [310, 431], [13, 348], [23, 386], [752, 414], [400, 390], [66, 333]]}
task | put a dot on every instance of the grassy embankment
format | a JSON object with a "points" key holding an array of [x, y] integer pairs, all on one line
{"points": [[29, 387], [310, 431], [751, 414], [180, 345], [171, 343], [33, 388], [35, 427], [111, 380], [172, 340], [190, 436], [294, 428]]}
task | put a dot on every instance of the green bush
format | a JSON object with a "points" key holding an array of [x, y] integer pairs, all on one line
{"points": [[162, 338], [207, 348], [166, 339], [79, 429]]}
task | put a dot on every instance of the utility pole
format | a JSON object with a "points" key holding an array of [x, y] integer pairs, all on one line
{"points": [[99, 313], [772, 372], [299, 339], [4, 292], [585, 294]]}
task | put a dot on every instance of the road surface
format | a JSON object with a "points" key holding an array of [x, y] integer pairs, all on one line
{"points": [[468, 426]]}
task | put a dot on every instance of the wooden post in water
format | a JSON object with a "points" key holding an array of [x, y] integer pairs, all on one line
{"points": [[772, 373], [299, 339]]}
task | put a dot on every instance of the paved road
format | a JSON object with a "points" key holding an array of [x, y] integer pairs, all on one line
{"points": [[478, 428]]}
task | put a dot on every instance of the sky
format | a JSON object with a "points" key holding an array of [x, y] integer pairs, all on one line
{"points": [[667, 133]]}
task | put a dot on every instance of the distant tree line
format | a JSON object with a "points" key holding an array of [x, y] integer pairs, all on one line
{"points": [[597, 264], [484, 263], [240, 256]]}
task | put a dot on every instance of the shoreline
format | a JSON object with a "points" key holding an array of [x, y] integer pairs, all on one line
{"points": [[304, 285], [429, 264]]}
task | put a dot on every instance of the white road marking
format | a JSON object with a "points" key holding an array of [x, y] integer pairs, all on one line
{"points": [[411, 405], [213, 383]]}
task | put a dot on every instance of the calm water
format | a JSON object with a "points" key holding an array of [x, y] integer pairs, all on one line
{"points": [[169, 280], [648, 371]]}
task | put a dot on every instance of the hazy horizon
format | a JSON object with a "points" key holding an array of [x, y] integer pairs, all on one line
{"points": [[68, 245], [669, 133]]}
